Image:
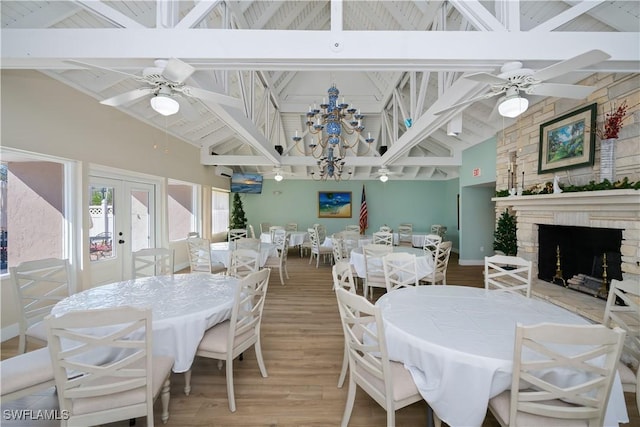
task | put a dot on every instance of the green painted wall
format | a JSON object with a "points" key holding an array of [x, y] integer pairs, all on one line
{"points": [[477, 211], [421, 203]]}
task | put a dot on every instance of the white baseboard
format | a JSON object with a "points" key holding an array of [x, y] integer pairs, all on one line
{"points": [[471, 262], [9, 332]]}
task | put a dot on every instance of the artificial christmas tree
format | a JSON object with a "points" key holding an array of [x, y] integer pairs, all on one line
{"points": [[505, 239], [238, 220]]}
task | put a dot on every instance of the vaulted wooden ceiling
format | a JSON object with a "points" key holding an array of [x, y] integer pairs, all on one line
{"points": [[398, 62]]}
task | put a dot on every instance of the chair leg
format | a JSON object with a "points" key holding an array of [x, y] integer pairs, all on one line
{"points": [[345, 365], [281, 278], [351, 397], [22, 344], [230, 391], [258, 349], [187, 382], [164, 399]]}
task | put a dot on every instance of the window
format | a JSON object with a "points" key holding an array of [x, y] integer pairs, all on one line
{"points": [[34, 214], [183, 209], [219, 211]]}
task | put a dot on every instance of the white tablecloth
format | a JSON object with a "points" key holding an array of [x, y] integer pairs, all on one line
{"points": [[296, 238], [183, 308], [458, 344], [220, 253], [424, 263], [417, 240]]}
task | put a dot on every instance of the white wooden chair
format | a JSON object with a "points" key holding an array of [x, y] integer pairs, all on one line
{"points": [[383, 238], [246, 243], [264, 227], [431, 244], [400, 270], [626, 315], [317, 249], [237, 233], [199, 251], [280, 262], [252, 233], [439, 229], [385, 229], [152, 262], [343, 279], [352, 227], [507, 273], [591, 352], [291, 226], [229, 339], [26, 374], [440, 264], [389, 383], [374, 272], [405, 234], [38, 285], [243, 262], [93, 389]]}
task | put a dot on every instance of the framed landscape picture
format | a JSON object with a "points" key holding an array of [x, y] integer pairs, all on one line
{"points": [[334, 204], [568, 141]]}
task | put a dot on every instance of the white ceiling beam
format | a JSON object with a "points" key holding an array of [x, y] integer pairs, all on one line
{"points": [[362, 50], [45, 17], [478, 15], [197, 14], [109, 14], [567, 15], [508, 12], [336, 15]]}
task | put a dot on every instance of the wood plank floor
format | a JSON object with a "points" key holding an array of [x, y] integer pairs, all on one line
{"points": [[303, 347]]}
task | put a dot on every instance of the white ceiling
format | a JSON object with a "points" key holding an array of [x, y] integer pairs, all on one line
{"points": [[390, 59]]}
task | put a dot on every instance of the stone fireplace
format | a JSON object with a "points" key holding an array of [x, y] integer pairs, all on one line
{"points": [[610, 215]]}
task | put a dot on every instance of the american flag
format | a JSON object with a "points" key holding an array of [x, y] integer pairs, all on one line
{"points": [[364, 214]]}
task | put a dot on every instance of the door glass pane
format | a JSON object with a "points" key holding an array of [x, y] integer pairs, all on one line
{"points": [[140, 220], [102, 223]]}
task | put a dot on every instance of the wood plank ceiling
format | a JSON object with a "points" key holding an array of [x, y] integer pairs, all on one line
{"points": [[397, 61]]}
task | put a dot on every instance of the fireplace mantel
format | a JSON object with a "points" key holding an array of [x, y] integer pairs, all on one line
{"points": [[619, 200]]}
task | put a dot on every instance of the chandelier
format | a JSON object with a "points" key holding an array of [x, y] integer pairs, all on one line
{"points": [[334, 129]]}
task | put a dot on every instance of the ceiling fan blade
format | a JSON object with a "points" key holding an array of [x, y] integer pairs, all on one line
{"points": [[127, 97], [186, 109], [560, 90], [109, 70], [572, 64], [470, 101], [177, 70], [487, 78], [218, 98]]}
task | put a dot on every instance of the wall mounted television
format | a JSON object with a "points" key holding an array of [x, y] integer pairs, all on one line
{"points": [[246, 183]]}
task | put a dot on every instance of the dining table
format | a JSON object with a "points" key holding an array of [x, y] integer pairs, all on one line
{"points": [[457, 342], [296, 238], [221, 254], [183, 307], [424, 261]]}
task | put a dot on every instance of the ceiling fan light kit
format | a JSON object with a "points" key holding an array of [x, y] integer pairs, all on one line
{"points": [[384, 178], [164, 104], [278, 177], [513, 106]]}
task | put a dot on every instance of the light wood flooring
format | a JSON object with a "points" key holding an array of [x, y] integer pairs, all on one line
{"points": [[303, 347]]}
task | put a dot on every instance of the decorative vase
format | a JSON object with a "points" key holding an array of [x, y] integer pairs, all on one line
{"points": [[608, 159]]}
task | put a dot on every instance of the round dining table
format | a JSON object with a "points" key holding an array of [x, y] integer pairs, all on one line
{"points": [[424, 262], [183, 307], [457, 342], [221, 254]]}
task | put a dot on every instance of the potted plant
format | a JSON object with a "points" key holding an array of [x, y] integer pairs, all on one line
{"points": [[238, 218], [505, 239]]}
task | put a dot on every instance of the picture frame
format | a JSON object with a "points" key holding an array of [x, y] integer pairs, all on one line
{"points": [[334, 204], [568, 141]]}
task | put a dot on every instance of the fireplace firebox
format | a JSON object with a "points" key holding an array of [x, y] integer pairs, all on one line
{"points": [[575, 256]]}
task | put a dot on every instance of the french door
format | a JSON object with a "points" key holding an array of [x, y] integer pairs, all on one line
{"points": [[123, 220]]}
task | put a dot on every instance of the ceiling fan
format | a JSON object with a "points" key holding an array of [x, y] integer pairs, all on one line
{"points": [[164, 84], [514, 80], [278, 173], [383, 174]]}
